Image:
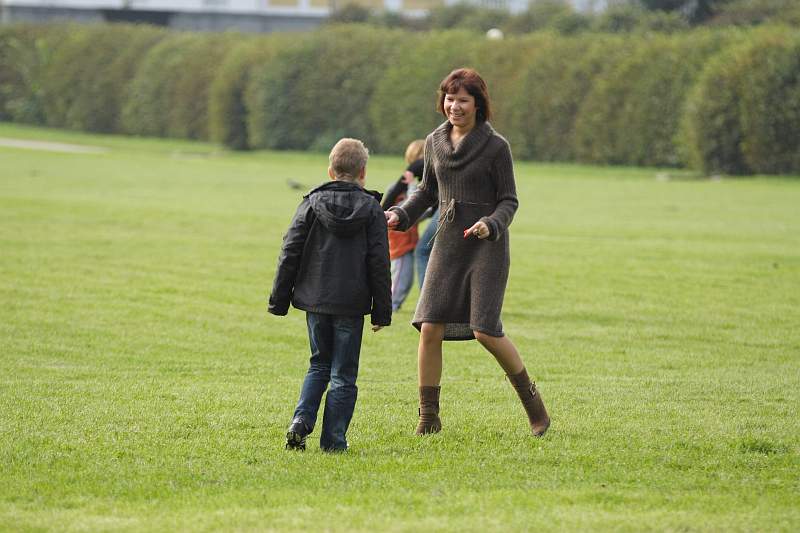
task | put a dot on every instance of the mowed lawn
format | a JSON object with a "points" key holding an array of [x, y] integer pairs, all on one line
{"points": [[143, 386]]}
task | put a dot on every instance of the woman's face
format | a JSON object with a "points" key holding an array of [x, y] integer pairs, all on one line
{"points": [[459, 108]]}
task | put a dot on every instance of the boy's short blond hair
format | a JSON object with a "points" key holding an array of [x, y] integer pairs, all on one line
{"points": [[348, 158], [415, 151]]}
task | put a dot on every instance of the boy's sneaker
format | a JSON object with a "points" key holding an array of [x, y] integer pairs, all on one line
{"points": [[296, 435]]}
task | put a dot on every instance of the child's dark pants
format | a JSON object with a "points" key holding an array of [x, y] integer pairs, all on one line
{"points": [[335, 349]]}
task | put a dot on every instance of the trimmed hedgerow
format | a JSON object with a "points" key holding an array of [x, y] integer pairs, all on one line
{"points": [[26, 54], [593, 98], [268, 87], [148, 99], [501, 63], [228, 124], [191, 92], [90, 72], [632, 113], [10, 81], [711, 130], [744, 114], [170, 92], [770, 106], [552, 89], [317, 92], [404, 103]]}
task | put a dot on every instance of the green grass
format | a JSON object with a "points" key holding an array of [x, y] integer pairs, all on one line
{"points": [[143, 386]]}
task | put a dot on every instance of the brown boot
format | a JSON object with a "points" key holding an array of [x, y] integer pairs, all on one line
{"points": [[531, 401], [429, 411]]}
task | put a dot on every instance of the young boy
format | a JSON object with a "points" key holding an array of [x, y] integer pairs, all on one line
{"points": [[403, 243], [334, 264]]}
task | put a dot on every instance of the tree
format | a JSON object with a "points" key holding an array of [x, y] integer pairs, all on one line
{"points": [[350, 13], [694, 10]]}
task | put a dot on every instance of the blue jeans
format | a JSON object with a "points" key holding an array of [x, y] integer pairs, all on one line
{"points": [[402, 278], [423, 250], [335, 349]]}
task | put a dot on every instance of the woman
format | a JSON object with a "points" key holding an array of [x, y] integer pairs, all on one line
{"points": [[468, 172]]}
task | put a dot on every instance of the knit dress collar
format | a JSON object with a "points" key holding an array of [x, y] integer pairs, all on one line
{"points": [[470, 147]]}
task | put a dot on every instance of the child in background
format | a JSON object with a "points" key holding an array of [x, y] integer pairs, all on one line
{"points": [[334, 264], [402, 244]]}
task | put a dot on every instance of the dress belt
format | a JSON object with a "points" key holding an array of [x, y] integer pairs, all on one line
{"points": [[448, 215]]}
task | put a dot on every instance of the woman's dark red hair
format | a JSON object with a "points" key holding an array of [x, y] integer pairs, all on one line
{"points": [[470, 81]]}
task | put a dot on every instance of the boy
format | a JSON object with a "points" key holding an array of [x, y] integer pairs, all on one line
{"points": [[334, 264]]}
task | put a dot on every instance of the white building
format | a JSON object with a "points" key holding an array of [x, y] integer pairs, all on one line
{"points": [[246, 15]]}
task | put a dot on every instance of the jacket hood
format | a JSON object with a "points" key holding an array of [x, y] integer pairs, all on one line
{"points": [[343, 207]]}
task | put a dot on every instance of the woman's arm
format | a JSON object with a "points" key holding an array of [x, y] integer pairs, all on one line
{"points": [[506, 194], [379, 271]]}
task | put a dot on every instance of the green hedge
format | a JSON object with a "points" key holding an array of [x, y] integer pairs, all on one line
{"points": [[90, 72], [10, 79], [316, 92], [711, 128], [632, 113], [720, 101], [502, 63], [552, 89], [744, 114], [26, 55], [169, 95], [280, 121], [228, 109], [404, 103]]}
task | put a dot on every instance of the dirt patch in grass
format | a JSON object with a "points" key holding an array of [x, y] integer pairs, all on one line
{"points": [[51, 146]]}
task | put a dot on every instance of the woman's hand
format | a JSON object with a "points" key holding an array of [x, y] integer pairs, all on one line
{"points": [[408, 177], [392, 220], [479, 229], [376, 329]]}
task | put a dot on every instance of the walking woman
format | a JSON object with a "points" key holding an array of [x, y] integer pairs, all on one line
{"points": [[469, 173]]}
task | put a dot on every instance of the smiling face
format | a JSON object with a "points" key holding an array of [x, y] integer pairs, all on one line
{"points": [[467, 98], [459, 108]]}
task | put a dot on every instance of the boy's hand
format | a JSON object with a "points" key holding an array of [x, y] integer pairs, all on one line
{"points": [[377, 328]]}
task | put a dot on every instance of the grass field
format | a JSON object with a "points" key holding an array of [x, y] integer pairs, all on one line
{"points": [[144, 387]]}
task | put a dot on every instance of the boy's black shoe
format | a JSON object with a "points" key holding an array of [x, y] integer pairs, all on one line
{"points": [[296, 435], [334, 450]]}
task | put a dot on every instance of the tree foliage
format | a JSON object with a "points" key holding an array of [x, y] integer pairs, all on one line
{"points": [[720, 100], [320, 91], [632, 113], [744, 114]]}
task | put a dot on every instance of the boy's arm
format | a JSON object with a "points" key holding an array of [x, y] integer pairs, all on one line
{"points": [[417, 167], [426, 195], [379, 270], [289, 260], [390, 196]]}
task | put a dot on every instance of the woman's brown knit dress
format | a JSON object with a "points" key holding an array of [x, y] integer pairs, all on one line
{"points": [[466, 278]]}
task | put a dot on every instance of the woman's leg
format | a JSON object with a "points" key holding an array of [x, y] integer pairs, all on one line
{"points": [[430, 374], [508, 357], [503, 351], [429, 356]]}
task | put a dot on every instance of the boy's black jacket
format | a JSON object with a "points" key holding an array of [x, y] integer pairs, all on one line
{"points": [[400, 186], [335, 256]]}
